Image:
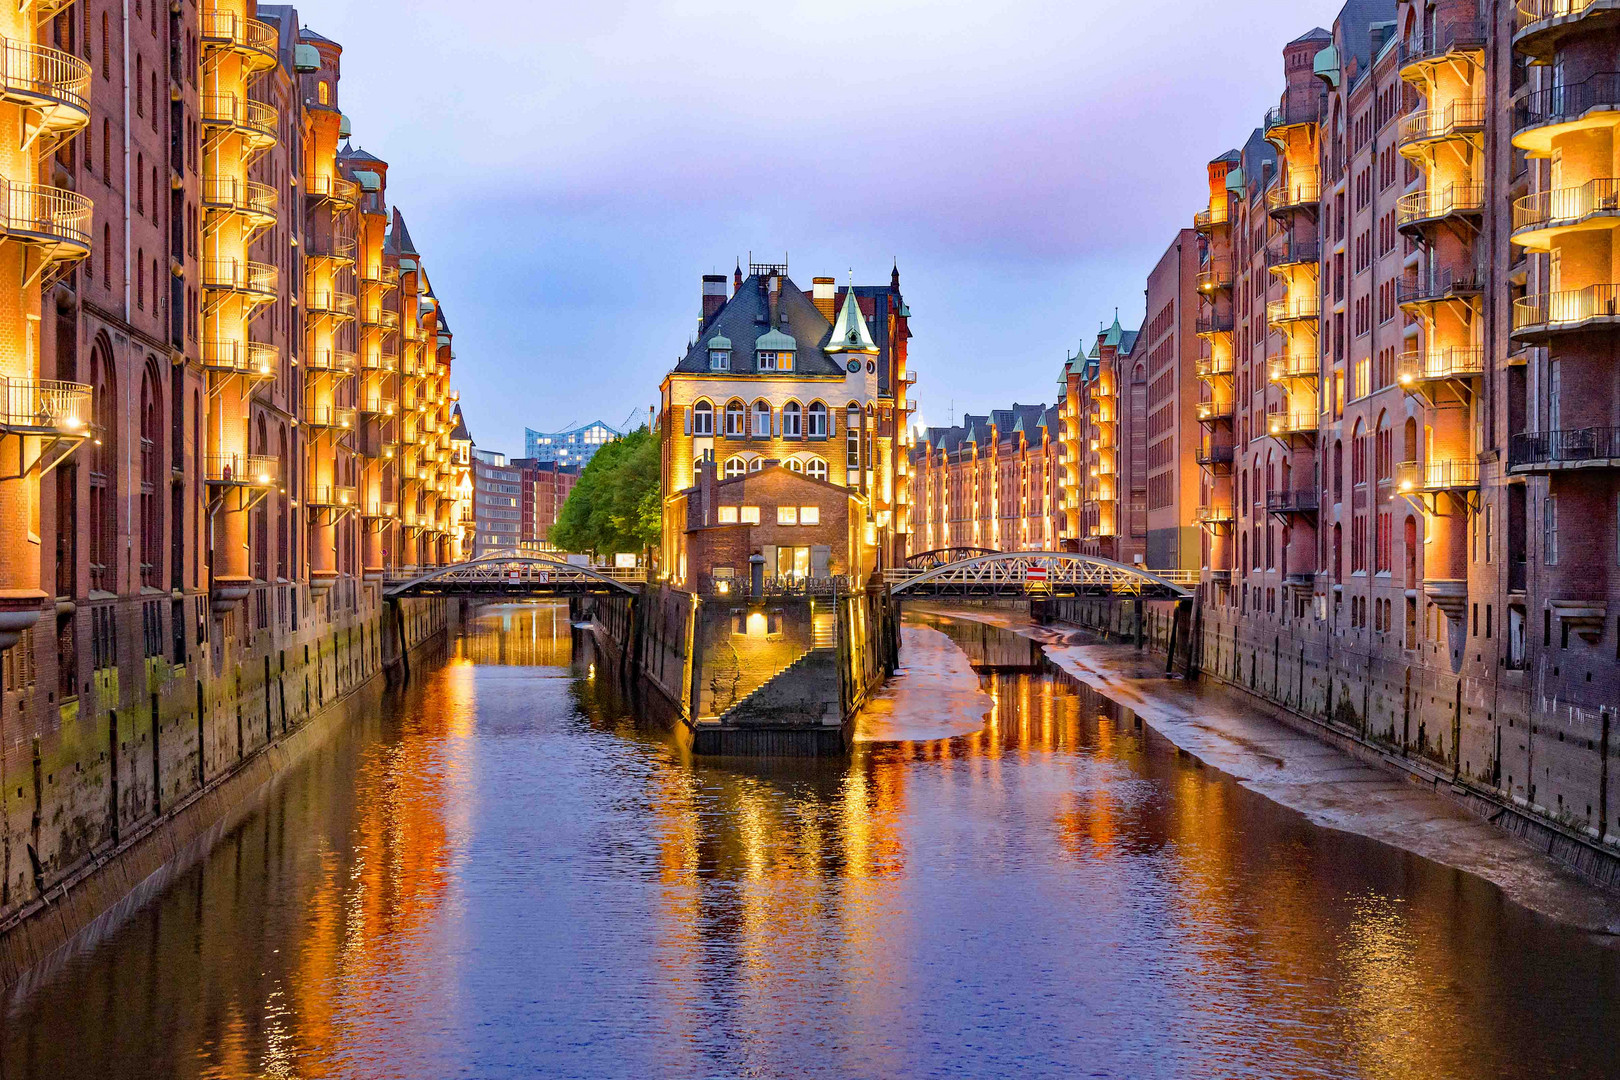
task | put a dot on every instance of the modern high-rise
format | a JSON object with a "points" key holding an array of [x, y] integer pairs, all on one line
{"points": [[576, 446]]}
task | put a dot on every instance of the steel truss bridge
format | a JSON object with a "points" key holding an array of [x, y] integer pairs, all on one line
{"points": [[1036, 574], [517, 577]]}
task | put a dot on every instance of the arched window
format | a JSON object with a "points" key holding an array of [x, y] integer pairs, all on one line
{"points": [[1338, 471], [852, 436], [261, 513], [1384, 442], [734, 418], [323, 94], [817, 469], [1409, 440], [735, 466], [703, 418], [762, 419], [282, 568], [792, 420], [818, 420], [1358, 455], [103, 471], [794, 465], [151, 465], [756, 464]]}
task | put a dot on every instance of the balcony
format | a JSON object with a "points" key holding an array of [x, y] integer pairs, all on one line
{"points": [[334, 189], [1447, 43], [336, 418], [1206, 221], [1417, 366], [1215, 367], [378, 360], [377, 405], [45, 407], [1298, 364], [1214, 516], [331, 495], [254, 121], [52, 83], [338, 250], [335, 361], [1211, 323], [1298, 112], [379, 277], [1293, 253], [1210, 412], [331, 303], [1539, 317], [254, 281], [250, 358], [1542, 24], [1283, 425], [1452, 474], [1302, 190], [1423, 290], [1546, 115], [1420, 208], [380, 319], [1299, 502], [1539, 218], [379, 510], [251, 39], [1215, 275], [1463, 119], [247, 198], [1292, 310], [1212, 452], [241, 470], [54, 220], [1555, 451]]}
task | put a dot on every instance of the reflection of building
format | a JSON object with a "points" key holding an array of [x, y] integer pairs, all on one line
{"points": [[576, 446], [814, 382], [546, 485], [497, 503]]}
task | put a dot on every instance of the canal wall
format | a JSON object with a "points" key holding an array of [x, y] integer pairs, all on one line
{"points": [[1475, 744], [776, 675], [146, 773]]}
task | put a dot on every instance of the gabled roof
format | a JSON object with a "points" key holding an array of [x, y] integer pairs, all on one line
{"points": [[746, 318]]}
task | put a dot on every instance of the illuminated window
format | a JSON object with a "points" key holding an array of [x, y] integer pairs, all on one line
{"points": [[735, 466], [792, 420], [787, 515], [323, 92], [703, 418], [734, 418], [817, 469], [726, 515], [809, 515], [750, 515], [794, 465]]}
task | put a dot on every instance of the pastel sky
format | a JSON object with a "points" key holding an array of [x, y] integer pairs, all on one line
{"points": [[570, 170]]}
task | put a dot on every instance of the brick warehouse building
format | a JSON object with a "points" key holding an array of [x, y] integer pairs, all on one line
{"points": [[989, 482], [229, 405]]}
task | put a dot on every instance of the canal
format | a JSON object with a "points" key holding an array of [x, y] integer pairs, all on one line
{"points": [[506, 875]]}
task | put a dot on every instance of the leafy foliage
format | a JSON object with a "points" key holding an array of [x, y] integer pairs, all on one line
{"points": [[616, 506]]}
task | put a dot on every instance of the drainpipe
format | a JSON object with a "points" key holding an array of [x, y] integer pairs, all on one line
{"points": [[129, 236]]}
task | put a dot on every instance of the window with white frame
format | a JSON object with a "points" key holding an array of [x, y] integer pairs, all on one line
{"points": [[735, 466], [762, 419], [703, 418], [719, 359], [787, 515], [1549, 531], [794, 465], [734, 418], [750, 515], [792, 421], [818, 420], [774, 361], [816, 468], [756, 464], [809, 515], [725, 515]]}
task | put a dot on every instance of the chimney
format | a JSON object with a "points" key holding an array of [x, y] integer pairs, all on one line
{"points": [[824, 294], [714, 295]]}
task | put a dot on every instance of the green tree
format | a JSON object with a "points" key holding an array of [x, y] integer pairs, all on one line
{"points": [[617, 505]]}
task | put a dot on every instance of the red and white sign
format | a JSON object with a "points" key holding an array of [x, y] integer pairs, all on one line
{"points": [[1035, 573]]}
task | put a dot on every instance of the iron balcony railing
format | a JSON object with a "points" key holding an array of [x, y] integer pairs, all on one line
{"points": [[1214, 453], [1303, 109], [382, 318], [1302, 187], [240, 357], [1209, 411], [45, 406], [377, 404], [239, 196], [1569, 309], [334, 188], [1215, 274], [242, 276], [242, 470], [1298, 364], [379, 509], [1210, 367], [1440, 203], [1293, 309], [1214, 515], [1555, 449], [1293, 252], [1532, 12], [1567, 206], [1452, 362], [339, 417], [256, 40], [329, 302], [1459, 35], [1292, 423], [1447, 283], [253, 119], [1562, 104], [35, 213], [1299, 501], [1214, 323], [1207, 219], [338, 249], [47, 79], [331, 495], [1444, 475], [1465, 116], [379, 360], [340, 361]]}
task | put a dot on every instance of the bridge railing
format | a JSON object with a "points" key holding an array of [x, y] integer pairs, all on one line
{"points": [[1038, 573]]}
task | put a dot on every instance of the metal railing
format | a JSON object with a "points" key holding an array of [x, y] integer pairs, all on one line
{"points": [[1292, 423], [1209, 367], [329, 302], [328, 416], [338, 360], [1535, 11], [1213, 410], [1297, 501], [1452, 362], [240, 357], [1567, 309], [1214, 515], [242, 470], [377, 404], [1570, 446], [1446, 283], [1303, 187], [241, 275], [1439, 203], [1292, 251], [333, 248], [242, 196], [252, 118], [1212, 323], [331, 495], [40, 76], [1441, 475], [1299, 364], [46, 406], [1300, 110], [1567, 205], [1208, 218], [379, 360], [1215, 274], [1460, 35], [1294, 309], [1462, 117], [223, 28], [1214, 453], [36, 211], [384, 318], [378, 509], [1562, 104], [335, 188]]}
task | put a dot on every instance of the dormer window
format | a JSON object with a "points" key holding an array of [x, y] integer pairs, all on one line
{"points": [[775, 361], [719, 359]]}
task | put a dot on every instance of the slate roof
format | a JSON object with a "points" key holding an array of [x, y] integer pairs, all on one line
{"points": [[1313, 34], [401, 235], [745, 318], [350, 155], [460, 430], [306, 34]]}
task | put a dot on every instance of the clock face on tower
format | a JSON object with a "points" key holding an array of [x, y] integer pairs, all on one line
{"points": [[854, 366]]}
